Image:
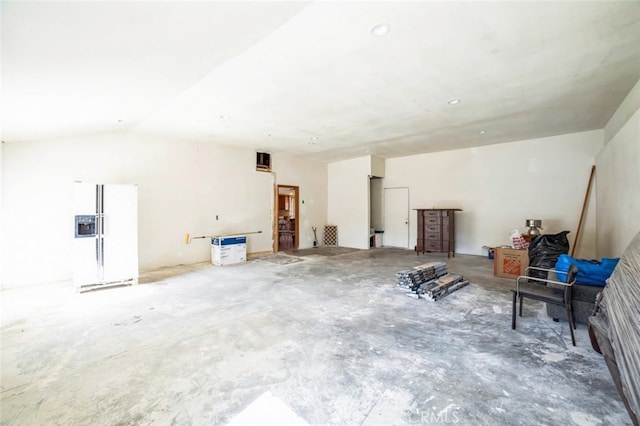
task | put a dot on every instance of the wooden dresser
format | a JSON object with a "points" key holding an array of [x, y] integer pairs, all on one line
{"points": [[436, 231]]}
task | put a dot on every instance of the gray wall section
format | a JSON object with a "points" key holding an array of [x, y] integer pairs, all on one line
{"points": [[618, 180]]}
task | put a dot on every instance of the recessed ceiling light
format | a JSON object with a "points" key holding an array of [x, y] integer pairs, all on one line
{"points": [[454, 101], [482, 132], [380, 30]]}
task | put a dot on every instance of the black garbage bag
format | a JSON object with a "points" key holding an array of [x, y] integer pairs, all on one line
{"points": [[544, 251]]}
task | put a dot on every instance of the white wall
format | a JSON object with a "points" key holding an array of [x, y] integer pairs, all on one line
{"points": [[311, 178], [627, 108], [618, 179], [2, 239], [500, 186], [182, 186], [348, 202], [377, 166]]}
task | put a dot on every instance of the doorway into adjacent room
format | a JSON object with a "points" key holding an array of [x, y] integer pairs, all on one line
{"points": [[287, 223]]}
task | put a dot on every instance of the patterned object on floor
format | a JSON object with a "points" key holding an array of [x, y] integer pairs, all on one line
{"points": [[330, 235]]}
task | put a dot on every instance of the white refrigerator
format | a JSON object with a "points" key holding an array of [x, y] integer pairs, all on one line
{"points": [[105, 249]]}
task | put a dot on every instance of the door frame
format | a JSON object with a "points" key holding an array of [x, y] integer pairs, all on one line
{"points": [[296, 231]]}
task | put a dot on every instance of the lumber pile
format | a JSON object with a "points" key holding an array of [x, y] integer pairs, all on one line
{"points": [[412, 279], [429, 281]]}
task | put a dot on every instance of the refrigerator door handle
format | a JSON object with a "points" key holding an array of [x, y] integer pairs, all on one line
{"points": [[100, 226]]}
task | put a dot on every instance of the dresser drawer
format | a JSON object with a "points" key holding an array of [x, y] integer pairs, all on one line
{"points": [[433, 245], [428, 221], [432, 228], [433, 236], [431, 213]]}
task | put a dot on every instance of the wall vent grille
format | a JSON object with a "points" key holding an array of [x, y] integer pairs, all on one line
{"points": [[263, 162]]}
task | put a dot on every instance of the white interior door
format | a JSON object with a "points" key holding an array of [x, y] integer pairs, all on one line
{"points": [[396, 217], [120, 232]]}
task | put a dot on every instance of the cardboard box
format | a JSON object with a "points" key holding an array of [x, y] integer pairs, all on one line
{"points": [[510, 263], [228, 250]]}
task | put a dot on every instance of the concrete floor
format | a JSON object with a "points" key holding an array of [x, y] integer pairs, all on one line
{"points": [[325, 332]]}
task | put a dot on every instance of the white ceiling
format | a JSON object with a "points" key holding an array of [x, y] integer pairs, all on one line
{"points": [[310, 77]]}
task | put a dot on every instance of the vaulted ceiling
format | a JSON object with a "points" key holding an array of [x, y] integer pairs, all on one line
{"points": [[314, 78]]}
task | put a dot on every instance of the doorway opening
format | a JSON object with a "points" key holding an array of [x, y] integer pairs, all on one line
{"points": [[376, 211], [287, 223]]}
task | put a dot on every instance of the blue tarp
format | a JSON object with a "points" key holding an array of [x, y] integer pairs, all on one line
{"points": [[590, 272]]}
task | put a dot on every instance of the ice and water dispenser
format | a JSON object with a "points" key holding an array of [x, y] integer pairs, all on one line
{"points": [[85, 226]]}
